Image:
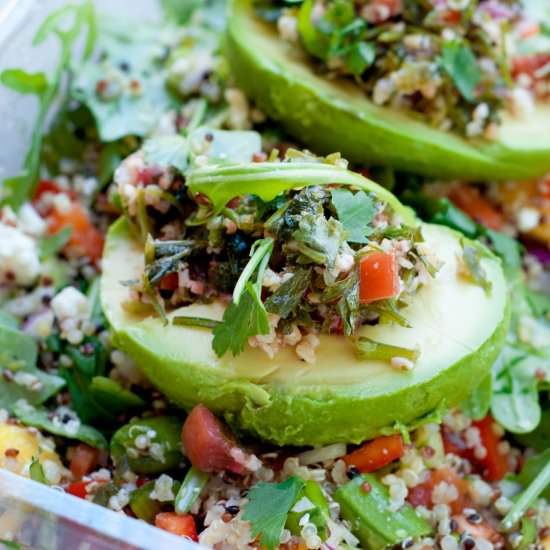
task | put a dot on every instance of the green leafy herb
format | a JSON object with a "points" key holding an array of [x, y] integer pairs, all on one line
{"points": [[180, 11], [227, 146], [359, 57], [539, 438], [19, 188], [240, 322], [355, 212], [110, 395], [459, 62], [167, 151], [474, 271], [40, 418], [52, 244], [267, 509], [36, 472], [368, 349], [288, 296]]}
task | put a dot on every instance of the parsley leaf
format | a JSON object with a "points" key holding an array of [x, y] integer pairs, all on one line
{"points": [[240, 321], [459, 62], [267, 509], [287, 297], [355, 212]]}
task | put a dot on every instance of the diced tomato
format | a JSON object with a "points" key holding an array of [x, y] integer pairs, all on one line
{"points": [[375, 454], [529, 29], [85, 240], [494, 464], [454, 443], [529, 64], [48, 186], [453, 17], [421, 494], [470, 200], [169, 282], [78, 489], [209, 444], [379, 277], [184, 526], [147, 174], [83, 460]]}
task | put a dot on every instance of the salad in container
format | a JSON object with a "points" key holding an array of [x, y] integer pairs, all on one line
{"points": [[276, 275]]}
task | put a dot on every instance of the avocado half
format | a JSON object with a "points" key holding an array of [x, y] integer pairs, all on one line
{"points": [[457, 326], [334, 115]]}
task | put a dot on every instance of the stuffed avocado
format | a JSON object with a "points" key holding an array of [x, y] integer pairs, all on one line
{"points": [[332, 112], [294, 296]]}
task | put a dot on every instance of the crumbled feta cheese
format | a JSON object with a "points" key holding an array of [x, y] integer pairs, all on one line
{"points": [[527, 219], [70, 304], [30, 221], [19, 261]]}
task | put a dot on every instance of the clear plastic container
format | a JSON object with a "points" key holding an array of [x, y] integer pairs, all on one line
{"points": [[40, 517]]}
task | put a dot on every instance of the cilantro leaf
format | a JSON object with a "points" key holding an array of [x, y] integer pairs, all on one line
{"points": [[355, 212], [459, 62], [240, 321], [267, 509], [287, 297], [167, 151]]}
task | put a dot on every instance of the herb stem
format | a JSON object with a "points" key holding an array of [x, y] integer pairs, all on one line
{"points": [[201, 322], [263, 248], [190, 490], [535, 488]]}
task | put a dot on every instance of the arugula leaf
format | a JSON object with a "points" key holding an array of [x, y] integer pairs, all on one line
{"points": [[167, 151], [17, 189], [289, 295], [180, 11], [267, 509], [459, 62], [52, 244], [18, 367], [40, 418], [515, 402], [355, 212], [119, 107], [240, 321], [24, 82]]}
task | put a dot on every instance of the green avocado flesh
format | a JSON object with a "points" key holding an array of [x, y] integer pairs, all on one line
{"points": [[334, 115], [458, 328]]}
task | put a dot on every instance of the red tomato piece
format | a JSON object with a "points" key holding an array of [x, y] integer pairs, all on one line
{"points": [[86, 240], [169, 282], [529, 64], [184, 526], [379, 277], [375, 454], [494, 464], [421, 494], [470, 200], [78, 489], [209, 444], [83, 460]]}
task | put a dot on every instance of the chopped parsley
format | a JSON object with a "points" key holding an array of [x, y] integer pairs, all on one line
{"points": [[355, 212]]}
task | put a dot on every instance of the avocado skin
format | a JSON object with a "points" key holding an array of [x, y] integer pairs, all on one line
{"points": [[293, 414], [335, 115]]}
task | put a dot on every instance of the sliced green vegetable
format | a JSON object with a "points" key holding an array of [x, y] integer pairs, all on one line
{"points": [[113, 397], [365, 503], [190, 490], [160, 438], [310, 501], [143, 506], [40, 418]]}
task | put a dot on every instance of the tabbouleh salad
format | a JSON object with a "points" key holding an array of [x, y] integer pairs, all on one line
{"points": [[146, 112], [457, 64]]}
